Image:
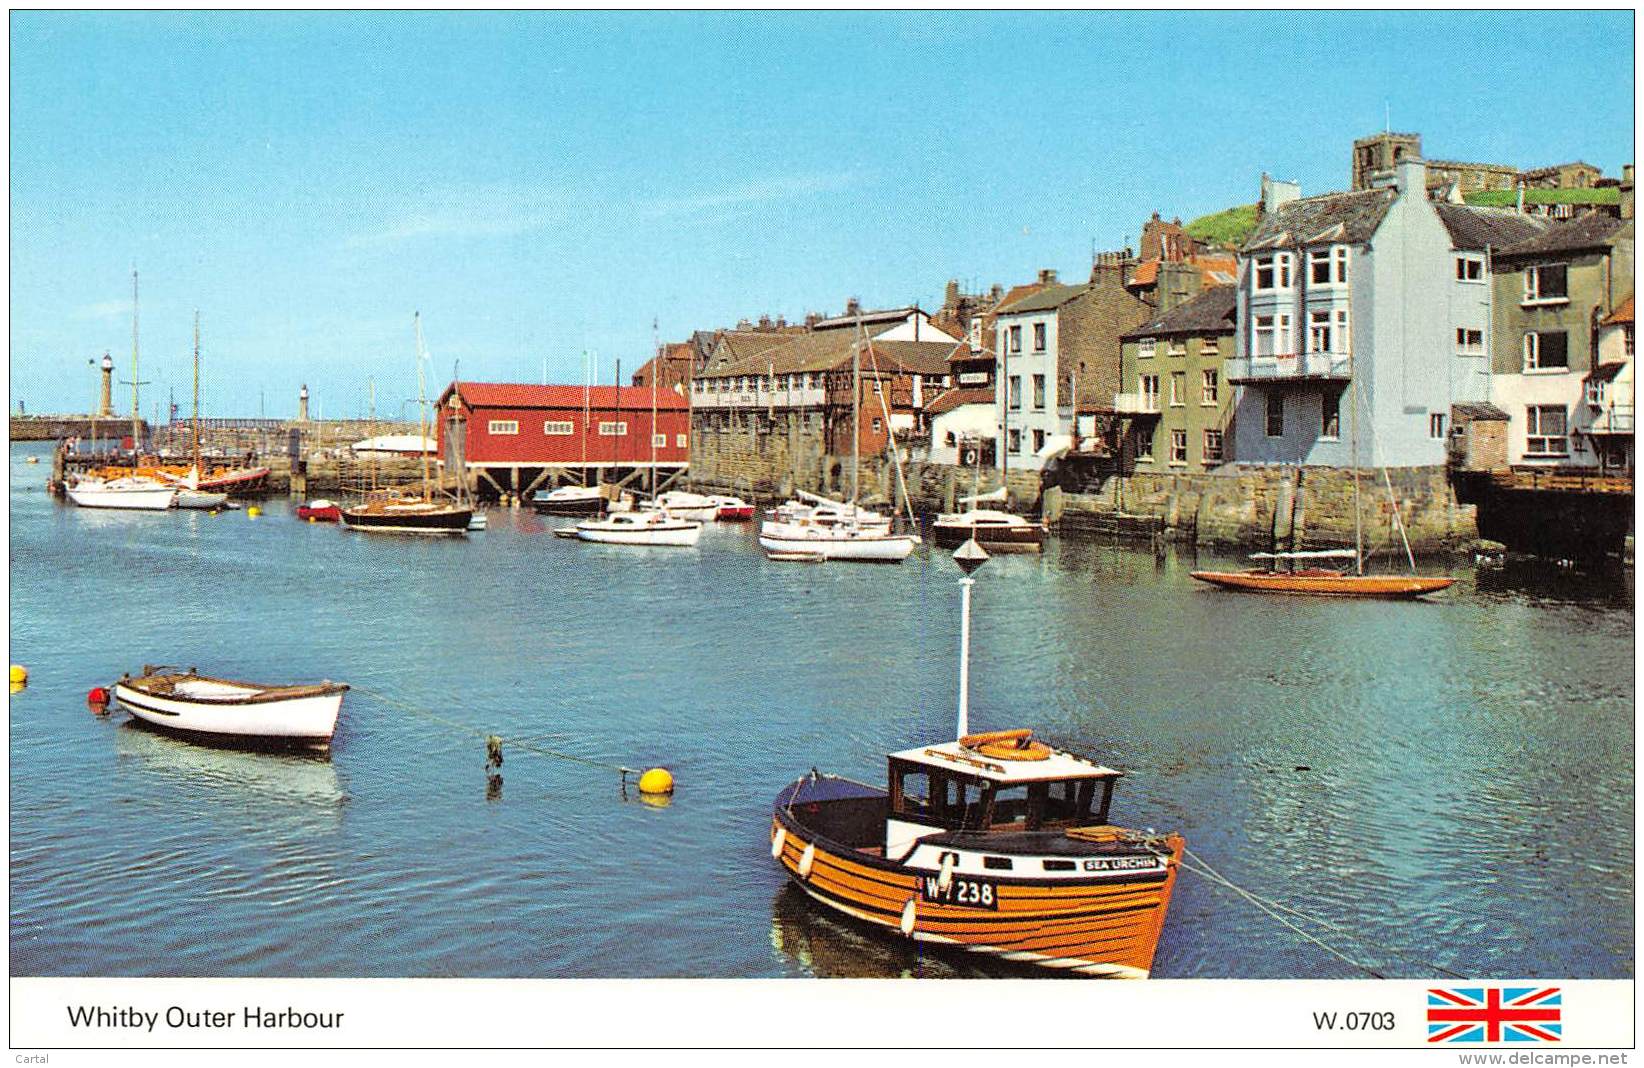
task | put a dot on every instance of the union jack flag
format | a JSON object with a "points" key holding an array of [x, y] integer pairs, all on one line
{"points": [[1495, 1014]]}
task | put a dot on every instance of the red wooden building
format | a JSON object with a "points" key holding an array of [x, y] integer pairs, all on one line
{"points": [[520, 438]]}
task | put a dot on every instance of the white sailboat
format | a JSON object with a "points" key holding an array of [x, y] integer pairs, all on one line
{"points": [[134, 492], [835, 530], [994, 529], [189, 493]]}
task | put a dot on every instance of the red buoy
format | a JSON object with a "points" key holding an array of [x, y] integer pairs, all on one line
{"points": [[97, 698]]}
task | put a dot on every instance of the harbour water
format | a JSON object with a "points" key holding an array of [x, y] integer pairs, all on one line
{"points": [[1452, 782]]}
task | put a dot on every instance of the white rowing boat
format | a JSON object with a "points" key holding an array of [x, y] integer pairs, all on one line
{"points": [[232, 710]]}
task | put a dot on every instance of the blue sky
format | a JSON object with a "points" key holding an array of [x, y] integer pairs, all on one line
{"points": [[541, 183]]}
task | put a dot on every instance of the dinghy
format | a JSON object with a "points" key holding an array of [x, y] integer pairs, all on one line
{"points": [[230, 709]]}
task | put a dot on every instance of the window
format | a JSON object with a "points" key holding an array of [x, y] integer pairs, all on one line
{"points": [[1144, 442], [1208, 386], [912, 794], [1209, 346], [681, 440], [1015, 400], [1546, 351], [1150, 393], [1146, 348], [1273, 335], [1627, 340], [998, 863], [1015, 440], [1010, 805], [1545, 431], [1327, 266], [1546, 283], [1039, 391], [613, 430], [1038, 441], [1343, 343], [1178, 446], [1275, 414], [1435, 426], [504, 426], [1595, 392], [1015, 339], [1330, 415], [1469, 269], [1178, 388], [556, 426], [878, 425], [1273, 272], [1038, 337], [1212, 446], [1469, 342], [1176, 347], [659, 441], [1318, 331]]}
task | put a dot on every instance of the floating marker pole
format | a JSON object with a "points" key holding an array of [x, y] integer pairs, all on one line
{"points": [[969, 557]]}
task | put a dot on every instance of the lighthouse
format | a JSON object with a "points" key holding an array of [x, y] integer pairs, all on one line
{"points": [[105, 406], [302, 404]]}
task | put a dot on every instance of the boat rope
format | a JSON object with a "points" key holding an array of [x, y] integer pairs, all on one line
{"points": [[1272, 908], [518, 743]]}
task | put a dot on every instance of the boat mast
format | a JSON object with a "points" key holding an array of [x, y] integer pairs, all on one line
{"points": [[422, 408], [856, 410], [969, 557], [1358, 512], [198, 472], [656, 366], [136, 416]]}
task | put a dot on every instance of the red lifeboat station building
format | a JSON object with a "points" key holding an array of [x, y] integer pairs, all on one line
{"points": [[522, 438]]}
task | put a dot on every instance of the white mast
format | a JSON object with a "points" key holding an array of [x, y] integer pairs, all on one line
{"points": [[969, 557], [422, 408]]}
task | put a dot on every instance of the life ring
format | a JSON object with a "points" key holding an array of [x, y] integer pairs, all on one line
{"points": [[1007, 745]]}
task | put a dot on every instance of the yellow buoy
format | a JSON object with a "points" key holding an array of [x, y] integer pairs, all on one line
{"points": [[253, 512], [19, 674], [311, 519], [656, 781]]}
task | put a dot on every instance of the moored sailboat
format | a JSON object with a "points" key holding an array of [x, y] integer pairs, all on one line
{"points": [[994, 843], [993, 529]]}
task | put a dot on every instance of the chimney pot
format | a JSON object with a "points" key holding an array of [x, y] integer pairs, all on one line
{"points": [[1047, 275], [852, 306]]}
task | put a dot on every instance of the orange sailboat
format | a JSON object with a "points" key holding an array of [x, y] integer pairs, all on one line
{"points": [[994, 843]]}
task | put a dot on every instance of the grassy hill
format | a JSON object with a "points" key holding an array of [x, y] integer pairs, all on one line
{"points": [[1506, 198], [1226, 229]]}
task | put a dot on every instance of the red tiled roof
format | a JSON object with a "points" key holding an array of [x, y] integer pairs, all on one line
{"points": [[955, 398], [1622, 314], [1145, 274], [520, 395]]}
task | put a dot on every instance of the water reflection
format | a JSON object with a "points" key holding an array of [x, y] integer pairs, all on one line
{"points": [[229, 777]]}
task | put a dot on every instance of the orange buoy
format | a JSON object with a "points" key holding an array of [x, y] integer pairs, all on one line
{"points": [[97, 695]]}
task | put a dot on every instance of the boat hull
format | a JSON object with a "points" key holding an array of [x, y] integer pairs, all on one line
{"points": [[1327, 585], [158, 499], [874, 548], [450, 522], [1028, 538], [682, 535], [1107, 928], [308, 720], [329, 514], [569, 506], [735, 514], [200, 499]]}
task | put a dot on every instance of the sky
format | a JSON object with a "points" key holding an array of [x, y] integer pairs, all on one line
{"points": [[540, 185]]}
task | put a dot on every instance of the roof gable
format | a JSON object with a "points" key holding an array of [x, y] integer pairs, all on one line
{"points": [[1342, 218]]}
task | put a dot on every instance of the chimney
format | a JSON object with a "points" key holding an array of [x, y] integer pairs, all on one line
{"points": [[1410, 175], [302, 404], [1047, 276], [1627, 191], [781, 321], [811, 319], [764, 322], [1276, 194], [997, 293], [950, 299], [853, 306]]}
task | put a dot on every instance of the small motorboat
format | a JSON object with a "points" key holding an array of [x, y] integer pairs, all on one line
{"points": [[837, 541], [732, 509], [994, 530], [129, 493], [231, 710], [651, 527], [478, 521], [319, 510], [569, 500], [204, 500], [995, 843], [683, 505]]}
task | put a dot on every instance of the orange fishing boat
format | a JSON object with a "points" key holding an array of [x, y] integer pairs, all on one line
{"points": [[994, 843]]}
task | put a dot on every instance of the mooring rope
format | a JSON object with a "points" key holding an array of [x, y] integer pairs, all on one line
{"points": [[1272, 908], [518, 743]]}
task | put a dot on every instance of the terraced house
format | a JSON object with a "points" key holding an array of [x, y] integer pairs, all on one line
{"points": [[1347, 328], [1177, 407], [1553, 293]]}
